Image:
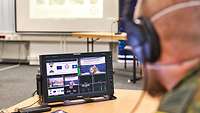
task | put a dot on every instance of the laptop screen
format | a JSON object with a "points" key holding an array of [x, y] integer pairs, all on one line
{"points": [[74, 76]]}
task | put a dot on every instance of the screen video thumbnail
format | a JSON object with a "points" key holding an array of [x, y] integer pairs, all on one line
{"points": [[59, 68], [70, 81], [55, 82], [85, 84], [93, 65], [100, 87], [71, 85], [100, 78], [56, 92]]}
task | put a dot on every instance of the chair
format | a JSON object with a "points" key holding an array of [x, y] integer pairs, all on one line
{"points": [[136, 64]]}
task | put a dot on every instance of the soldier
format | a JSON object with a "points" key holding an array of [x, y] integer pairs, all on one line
{"points": [[166, 38]]}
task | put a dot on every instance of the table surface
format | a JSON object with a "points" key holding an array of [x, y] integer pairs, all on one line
{"points": [[94, 35], [113, 36], [125, 102]]}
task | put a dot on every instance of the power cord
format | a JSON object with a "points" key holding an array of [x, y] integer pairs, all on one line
{"points": [[17, 110], [29, 105], [33, 94], [145, 86], [143, 92]]}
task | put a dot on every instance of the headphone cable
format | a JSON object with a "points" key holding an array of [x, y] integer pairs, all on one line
{"points": [[144, 86]]}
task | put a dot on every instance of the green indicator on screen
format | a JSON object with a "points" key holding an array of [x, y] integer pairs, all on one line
{"points": [[79, 71]]}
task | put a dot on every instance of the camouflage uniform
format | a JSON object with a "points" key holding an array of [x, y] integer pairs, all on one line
{"points": [[185, 97]]}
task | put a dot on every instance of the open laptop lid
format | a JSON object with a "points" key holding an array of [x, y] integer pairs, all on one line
{"points": [[76, 76]]}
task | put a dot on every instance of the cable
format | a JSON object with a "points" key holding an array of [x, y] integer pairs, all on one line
{"points": [[112, 34], [33, 94], [111, 30], [32, 103], [144, 86], [29, 105], [142, 94]]}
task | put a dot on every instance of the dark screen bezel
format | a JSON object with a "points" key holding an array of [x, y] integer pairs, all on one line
{"points": [[109, 76]]}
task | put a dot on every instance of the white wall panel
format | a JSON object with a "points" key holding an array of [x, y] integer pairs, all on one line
{"points": [[7, 16]]}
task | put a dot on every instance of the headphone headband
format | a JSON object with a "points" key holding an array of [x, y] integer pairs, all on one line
{"points": [[174, 8]]}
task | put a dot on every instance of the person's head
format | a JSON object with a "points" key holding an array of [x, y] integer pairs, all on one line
{"points": [[177, 27]]}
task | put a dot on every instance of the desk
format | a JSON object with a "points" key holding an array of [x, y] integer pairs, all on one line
{"points": [[125, 102], [94, 36]]}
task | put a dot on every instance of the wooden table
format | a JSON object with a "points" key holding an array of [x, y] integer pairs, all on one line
{"points": [[94, 36], [125, 102], [105, 35]]}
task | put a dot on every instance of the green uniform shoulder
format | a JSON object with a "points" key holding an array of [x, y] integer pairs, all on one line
{"points": [[185, 97]]}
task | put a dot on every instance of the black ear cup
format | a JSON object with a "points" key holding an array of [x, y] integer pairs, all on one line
{"points": [[135, 39], [152, 46], [143, 39]]}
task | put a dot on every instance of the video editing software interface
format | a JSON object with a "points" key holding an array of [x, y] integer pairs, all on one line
{"points": [[76, 76]]}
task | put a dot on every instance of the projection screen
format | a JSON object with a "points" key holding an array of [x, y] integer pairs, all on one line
{"points": [[66, 15]]}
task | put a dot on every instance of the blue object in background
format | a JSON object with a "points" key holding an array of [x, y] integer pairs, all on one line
{"points": [[122, 44]]}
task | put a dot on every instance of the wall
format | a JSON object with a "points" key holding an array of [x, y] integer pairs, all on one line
{"points": [[28, 47], [60, 45], [7, 16], [15, 49]]}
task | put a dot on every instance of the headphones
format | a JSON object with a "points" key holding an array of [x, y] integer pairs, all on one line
{"points": [[142, 36]]}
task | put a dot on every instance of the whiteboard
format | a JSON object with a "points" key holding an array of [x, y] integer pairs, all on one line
{"points": [[67, 15]]}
